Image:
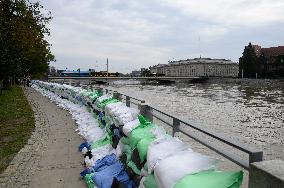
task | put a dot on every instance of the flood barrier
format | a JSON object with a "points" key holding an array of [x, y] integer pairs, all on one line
{"points": [[118, 141]]}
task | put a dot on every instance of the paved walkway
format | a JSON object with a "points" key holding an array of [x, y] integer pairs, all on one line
{"points": [[51, 158]]}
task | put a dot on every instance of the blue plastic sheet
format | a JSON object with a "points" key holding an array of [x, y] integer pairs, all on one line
{"points": [[103, 163], [104, 178]]}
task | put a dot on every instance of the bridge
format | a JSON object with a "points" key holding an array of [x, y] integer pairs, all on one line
{"points": [[107, 79]]}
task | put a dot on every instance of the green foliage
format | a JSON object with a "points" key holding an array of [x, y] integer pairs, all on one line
{"points": [[146, 72], [23, 47], [248, 62]]}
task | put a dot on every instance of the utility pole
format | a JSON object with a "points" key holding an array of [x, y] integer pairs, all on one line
{"points": [[107, 68]]}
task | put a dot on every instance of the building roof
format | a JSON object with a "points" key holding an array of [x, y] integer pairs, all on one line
{"points": [[273, 51], [202, 60]]}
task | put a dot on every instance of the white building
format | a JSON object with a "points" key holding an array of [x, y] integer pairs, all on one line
{"points": [[198, 67]]}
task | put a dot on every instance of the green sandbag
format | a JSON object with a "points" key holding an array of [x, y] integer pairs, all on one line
{"points": [[108, 130], [142, 147], [143, 130], [128, 151], [150, 181], [106, 102], [89, 180], [101, 142], [103, 104], [211, 179], [132, 165], [125, 140], [108, 119]]}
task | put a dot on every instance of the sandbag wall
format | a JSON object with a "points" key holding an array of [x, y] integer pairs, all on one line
{"points": [[123, 149]]}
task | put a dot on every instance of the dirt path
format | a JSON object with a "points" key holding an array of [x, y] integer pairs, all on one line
{"points": [[50, 159]]}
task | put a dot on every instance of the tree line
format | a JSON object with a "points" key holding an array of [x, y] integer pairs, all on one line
{"points": [[24, 50]]}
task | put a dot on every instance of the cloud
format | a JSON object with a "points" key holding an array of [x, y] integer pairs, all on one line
{"points": [[135, 34], [233, 12]]}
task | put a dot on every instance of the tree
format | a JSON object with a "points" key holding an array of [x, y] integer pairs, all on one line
{"points": [[23, 47], [248, 62], [146, 72]]}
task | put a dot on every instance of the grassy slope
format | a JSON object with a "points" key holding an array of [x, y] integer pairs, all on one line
{"points": [[16, 124]]}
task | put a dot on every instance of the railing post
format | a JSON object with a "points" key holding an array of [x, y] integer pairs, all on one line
{"points": [[255, 157], [127, 102], [117, 95], [176, 124], [146, 110]]}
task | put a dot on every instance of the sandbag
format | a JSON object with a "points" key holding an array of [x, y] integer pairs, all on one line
{"points": [[175, 167], [89, 180], [104, 162], [142, 147], [150, 181], [140, 132], [129, 126], [104, 178], [101, 142], [162, 148], [99, 153], [211, 179]]}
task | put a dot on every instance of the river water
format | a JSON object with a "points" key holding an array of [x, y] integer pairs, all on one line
{"points": [[246, 111], [249, 114]]}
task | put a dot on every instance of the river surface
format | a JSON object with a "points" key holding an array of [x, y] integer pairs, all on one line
{"points": [[249, 114]]}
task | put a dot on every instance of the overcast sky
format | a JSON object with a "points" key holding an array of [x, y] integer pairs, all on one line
{"points": [[141, 33]]}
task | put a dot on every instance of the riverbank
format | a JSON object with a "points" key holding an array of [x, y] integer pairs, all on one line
{"points": [[258, 83], [50, 158], [16, 124]]}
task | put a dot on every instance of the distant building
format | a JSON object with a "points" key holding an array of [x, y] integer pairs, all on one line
{"points": [[271, 62], [52, 71], [198, 67], [268, 62], [135, 73]]}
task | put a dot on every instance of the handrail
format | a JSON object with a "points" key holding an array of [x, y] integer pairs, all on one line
{"points": [[254, 154], [210, 133], [132, 97]]}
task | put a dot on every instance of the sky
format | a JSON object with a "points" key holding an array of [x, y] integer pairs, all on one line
{"points": [[134, 34]]}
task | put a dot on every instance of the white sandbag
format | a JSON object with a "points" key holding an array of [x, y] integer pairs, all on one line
{"points": [[110, 107], [161, 148], [159, 132], [99, 153], [129, 126], [124, 115], [119, 149], [174, 167]]}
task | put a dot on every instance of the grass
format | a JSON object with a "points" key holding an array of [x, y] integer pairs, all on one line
{"points": [[16, 124]]}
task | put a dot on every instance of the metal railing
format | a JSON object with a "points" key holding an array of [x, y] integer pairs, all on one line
{"points": [[149, 112]]}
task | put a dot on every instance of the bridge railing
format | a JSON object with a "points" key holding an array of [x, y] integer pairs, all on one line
{"points": [[196, 132]]}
